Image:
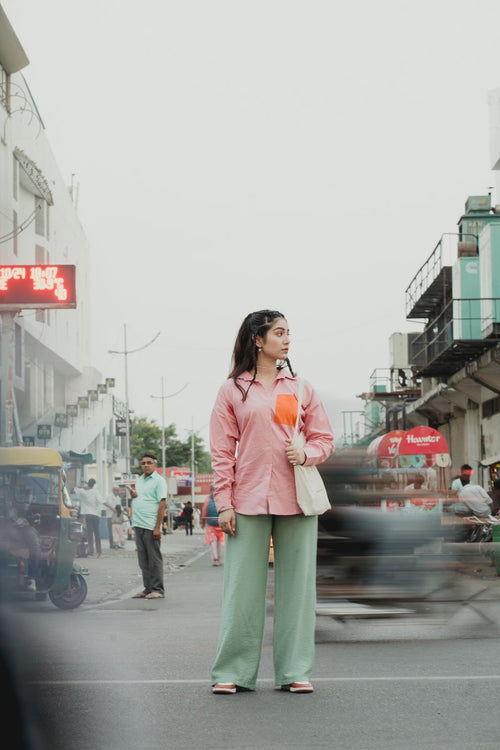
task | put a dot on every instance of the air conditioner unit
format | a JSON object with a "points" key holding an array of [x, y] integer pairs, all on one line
{"points": [[399, 350]]}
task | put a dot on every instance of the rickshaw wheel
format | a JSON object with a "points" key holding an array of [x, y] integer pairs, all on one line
{"points": [[73, 596]]}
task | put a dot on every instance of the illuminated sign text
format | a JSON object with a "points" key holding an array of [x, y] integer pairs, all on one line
{"points": [[37, 287]]}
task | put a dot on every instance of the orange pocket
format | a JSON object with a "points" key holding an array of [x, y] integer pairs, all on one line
{"points": [[286, 409]]}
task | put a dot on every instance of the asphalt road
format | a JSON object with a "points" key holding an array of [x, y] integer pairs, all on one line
{"points": [[124, 673]]}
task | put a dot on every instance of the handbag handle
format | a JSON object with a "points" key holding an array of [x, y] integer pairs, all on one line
{"points": [[299, 405]]}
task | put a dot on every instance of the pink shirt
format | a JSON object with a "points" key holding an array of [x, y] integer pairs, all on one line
{"points": [[248, 440]]}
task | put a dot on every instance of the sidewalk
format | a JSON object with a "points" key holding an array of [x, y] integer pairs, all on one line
{"points": [[116, 574]]}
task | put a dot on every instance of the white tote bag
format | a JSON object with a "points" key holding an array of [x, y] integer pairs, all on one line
{"points": [[311, 492]]}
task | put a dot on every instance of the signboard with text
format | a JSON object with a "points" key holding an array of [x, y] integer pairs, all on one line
{"points": [[44, 431], [121, 428], [61, 420], [37, 287]]}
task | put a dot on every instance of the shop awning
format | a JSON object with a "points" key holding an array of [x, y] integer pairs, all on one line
{"points": [[385, 448], [490, 460], [422, 441], [409, 449]]}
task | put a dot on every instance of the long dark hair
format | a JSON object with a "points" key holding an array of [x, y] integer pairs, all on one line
{"points": [[245, 349]]}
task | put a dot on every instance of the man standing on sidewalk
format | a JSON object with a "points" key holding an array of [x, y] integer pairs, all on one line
{"points": [[112, 499], [148, 510], [91, 505]]}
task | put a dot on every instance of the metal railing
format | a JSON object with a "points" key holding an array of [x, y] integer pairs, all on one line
{"points": [[462, 319], [444, 254]]}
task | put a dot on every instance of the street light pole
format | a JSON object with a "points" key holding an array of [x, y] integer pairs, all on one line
{"points": [[125, 353], [192, 463], [162, 429], [127, 413], [163, 397]]}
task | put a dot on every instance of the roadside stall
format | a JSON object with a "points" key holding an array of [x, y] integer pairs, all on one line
{"points": [[412, 467], [382, 452]]}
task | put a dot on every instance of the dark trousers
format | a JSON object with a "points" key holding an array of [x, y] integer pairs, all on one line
{"points": [[92, 526], [189, 526], [109, 526], [150, 560]]}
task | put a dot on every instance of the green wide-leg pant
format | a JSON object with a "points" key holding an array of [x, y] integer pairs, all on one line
{"points": [[246, 567]]}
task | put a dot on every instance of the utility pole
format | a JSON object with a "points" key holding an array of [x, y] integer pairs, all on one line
{"points": [[125, 353], [349, 435], [7, 359], [193, 478], [163, 397]]}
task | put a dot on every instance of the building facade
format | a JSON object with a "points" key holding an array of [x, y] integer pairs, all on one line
{"points": [[447, 376], [49, 393]]}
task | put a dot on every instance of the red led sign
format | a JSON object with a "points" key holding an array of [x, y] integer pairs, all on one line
{"points": [[37, 287]]}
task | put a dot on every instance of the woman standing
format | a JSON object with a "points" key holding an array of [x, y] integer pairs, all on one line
{"points": [[251, 428]]}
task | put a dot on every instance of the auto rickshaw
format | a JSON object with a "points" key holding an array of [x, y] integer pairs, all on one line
{"points": [[39, 528]]}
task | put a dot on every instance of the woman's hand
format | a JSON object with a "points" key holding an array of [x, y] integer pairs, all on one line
{"points": [[295, 455], [227, 521]]}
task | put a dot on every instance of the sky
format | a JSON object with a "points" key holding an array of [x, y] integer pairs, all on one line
{"points": [[304, 156]]}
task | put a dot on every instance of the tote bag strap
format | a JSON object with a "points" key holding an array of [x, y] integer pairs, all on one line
{"points": [[299, 405]]}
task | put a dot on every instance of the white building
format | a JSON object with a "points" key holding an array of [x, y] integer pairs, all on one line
{"points": [[45, 370]]}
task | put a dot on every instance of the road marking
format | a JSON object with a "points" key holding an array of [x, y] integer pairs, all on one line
{"points": [[415, 678]]}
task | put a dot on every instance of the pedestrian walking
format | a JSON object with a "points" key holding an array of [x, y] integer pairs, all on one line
{"points": [[187, 515], [91, 505], [111, 500], [253, 456], [118, 520], [214, 536], [148, 510]]}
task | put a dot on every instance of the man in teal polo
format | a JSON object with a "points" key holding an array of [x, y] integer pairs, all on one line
{"points": [[148, 510]]}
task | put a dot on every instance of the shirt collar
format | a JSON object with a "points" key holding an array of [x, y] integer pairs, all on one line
{"points": [[281, 375]]}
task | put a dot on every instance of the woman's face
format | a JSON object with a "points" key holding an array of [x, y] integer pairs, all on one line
{"points": [[276, 342]]}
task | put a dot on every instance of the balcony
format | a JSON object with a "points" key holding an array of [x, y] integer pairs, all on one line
{"points": [[463, 330], [431, 286]]}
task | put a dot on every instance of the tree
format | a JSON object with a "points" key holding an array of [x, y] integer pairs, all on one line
{"points": [[146, 437]]}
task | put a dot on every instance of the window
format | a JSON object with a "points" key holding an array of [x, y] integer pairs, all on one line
{"points": [[18, 350], [15, 230], [39, 216], [491, 407], [4, 89], [15, 177], [40, 255]]}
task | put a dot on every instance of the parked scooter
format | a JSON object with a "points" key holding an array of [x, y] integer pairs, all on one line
{"points": [[39, 529]]}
